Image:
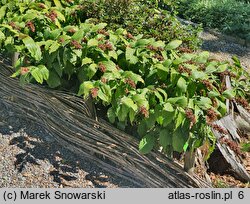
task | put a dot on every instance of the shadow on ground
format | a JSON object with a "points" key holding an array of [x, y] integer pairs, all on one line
{"points": [[37, 144], [219, 44]]}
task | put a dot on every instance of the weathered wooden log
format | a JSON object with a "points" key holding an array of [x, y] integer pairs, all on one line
{"points": [[70, 121], [233, 159]]}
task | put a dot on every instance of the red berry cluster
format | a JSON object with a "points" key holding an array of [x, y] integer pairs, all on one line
{"points": [[72, 30], [52, 15], [159, 57], [227, 73], [94, 92], [100, 39], [207, 83], [211, 115], [202, 67], [41, 5], [130, 82], [144, 111], [24, 70], [102, 67], [190, 115], [106, 46], [14, 26], [219, 129], [104, 80], [214, 102], [185, 50], [61, 40], [31, 26], [103, 32], [76, 44], [232, 145], [130, 36], [242, 102], [155, 49], [183, 69], [126, 91], [223, 87], [84, 40]]}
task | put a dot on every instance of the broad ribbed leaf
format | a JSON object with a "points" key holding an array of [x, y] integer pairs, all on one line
{"points": [[182, 84], [165, 138], [33, 48], [38, 76], [53, 80], [147, 143], [173, 44], [85, 88]]}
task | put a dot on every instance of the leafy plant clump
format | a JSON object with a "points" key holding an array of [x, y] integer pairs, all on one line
{"points": [[229, 16], [170, 96], [151, 18]]}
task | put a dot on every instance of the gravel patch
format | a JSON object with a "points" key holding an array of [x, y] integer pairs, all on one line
{"points": [[30, 157], [223, 49]]}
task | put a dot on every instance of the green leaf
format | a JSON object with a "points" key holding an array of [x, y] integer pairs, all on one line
{"points": [[147, 143], [122, 112], [86, 60], [173, 44], [44, 71], [110, 65], [36, 73], [58, 4], [130, 55], [229, 93], [142, 128], [198, 74], [140, 100], [210, 69], [179, 139], [131, 75], [142, 42], [165, 138], [222, 68], [2, 36], [54, 80], [163, 92], [54, 47], [91, 70], [168, 107], [113, 54], [212, 94], [129, 103], [104, 93], [111, 115], [168, 117], [202, 57], [33, 48], [204, 103], [222, 108], [180, 101], [2, 11], [180, 119], [92, 43], [54, 34], [132, 114], [60, 16], [85, 88], [99, 26], [78, 35], [182, 84]]}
